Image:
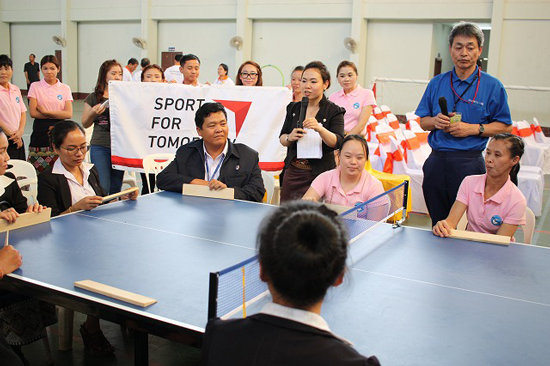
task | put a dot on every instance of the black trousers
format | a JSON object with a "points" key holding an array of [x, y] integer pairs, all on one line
{"points": [[16, 153], [443, 174]]}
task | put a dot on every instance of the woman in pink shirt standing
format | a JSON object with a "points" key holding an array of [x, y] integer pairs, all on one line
{"points": [[349, 184], [50, 101], [493, 202], [357, 101]]}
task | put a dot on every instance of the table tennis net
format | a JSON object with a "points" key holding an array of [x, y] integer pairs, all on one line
{"points": [[235, 288]]}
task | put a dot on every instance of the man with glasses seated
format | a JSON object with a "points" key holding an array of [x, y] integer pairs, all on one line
{"points": [[249, 74], [71, 184]]}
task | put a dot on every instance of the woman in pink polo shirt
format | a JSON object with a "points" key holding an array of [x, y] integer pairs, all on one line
{"points": [[12, 110], [357, 101], [348, 184], [50, 101], [493, 202]]}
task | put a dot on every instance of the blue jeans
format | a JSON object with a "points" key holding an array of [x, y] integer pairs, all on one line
{"points": [[109, 178]]}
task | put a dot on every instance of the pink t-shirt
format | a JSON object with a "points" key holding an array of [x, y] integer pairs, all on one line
{"points": [[11, 106], [353, 103], [507, 206], [328, 186], [50, 97]]}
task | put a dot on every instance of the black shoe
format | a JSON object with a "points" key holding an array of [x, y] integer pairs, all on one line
{"points": [[96, 342]]}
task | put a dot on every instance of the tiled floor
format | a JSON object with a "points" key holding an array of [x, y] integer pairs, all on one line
{"points": [[163, 352]]}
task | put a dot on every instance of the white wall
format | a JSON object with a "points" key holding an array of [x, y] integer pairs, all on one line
{"points": [[399, 50], [209, 40], [291, 43], [525, 54], [98, 42], [30, 38]]}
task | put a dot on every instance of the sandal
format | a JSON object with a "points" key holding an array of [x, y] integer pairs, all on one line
{"points": [[96, 342]]}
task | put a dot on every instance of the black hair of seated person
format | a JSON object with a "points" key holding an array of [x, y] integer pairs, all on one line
{"points": [[516, 148], [359, 138], [5, 61], [133, 61], [61, 130], [303, 247], [207, 109]]}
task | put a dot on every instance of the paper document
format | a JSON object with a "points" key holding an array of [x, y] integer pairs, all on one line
{"points": [[310, 146]]}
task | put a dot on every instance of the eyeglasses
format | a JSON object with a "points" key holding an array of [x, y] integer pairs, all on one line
{"points": [[73, 150], [252, 75]]}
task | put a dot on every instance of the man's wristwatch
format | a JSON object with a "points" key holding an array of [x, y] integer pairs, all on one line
{"points": [[481, 129]]}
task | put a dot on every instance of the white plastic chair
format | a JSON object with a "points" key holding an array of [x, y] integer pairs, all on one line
{"points": [[25, 174], [539, 135], [529, 227], [269, 184], [155, 163]]}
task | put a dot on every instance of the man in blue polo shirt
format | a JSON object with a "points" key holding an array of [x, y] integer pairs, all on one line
{"points": [[457, 147]]}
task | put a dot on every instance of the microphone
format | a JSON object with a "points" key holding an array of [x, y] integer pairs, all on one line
{"points": [[443, 106], [303, 109]]}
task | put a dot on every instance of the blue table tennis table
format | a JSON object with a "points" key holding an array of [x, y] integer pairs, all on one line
{"points": [[409, 298]]}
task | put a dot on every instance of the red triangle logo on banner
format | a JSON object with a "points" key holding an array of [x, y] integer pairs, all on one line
{"points": [[239, 108]]}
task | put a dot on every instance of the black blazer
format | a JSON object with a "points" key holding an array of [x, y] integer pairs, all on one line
{"points": [[331, 117], [239, 170], [54, 191], [13, 197], [266, 340]]}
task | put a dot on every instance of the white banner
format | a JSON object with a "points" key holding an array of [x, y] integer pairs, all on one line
{"points": [[151, 118]]}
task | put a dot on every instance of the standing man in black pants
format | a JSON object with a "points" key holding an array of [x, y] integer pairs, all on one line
{"points": [[477, 109], [32, 71]]}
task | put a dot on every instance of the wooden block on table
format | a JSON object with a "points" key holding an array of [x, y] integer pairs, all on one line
{"points": [[119, 194], [115, 293], [481, 237], [204, 191], [26, 219]]}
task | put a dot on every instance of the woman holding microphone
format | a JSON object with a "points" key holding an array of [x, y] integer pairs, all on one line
{"points": [[322, 116]]}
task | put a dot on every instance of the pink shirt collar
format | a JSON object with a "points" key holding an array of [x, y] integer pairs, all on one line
{"points": [[336, 183], [45, 84], [498, 197], [354, 93], [9, 89]]}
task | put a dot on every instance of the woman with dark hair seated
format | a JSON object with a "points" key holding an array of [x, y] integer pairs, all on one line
{"points": [[71, 185], [303, 248], [492, 201]]}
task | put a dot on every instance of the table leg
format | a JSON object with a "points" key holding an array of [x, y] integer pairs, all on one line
{"points": [[65, 328], [141, 348]]}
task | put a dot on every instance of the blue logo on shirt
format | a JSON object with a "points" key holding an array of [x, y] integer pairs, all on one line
{"points": [[17, 99], [60, 97], [356, 105], [496, 220]]}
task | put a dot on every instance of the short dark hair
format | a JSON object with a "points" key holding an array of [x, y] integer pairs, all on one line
{"points": [[516, 148], [50, 59], [323, 70], [297, 68], [61, 130], [188, 57], [303, 247], [206, 110], [178, 57], [33, 55], [467, 29], [5, 61], [359, 138], [145, 62], [224, 66], [132, 61], [344, 64]]}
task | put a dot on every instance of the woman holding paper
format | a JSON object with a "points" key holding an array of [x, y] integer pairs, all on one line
{"points": [[349, 184], [323, 120], [96, 113], [72, 185], [492, 201]]}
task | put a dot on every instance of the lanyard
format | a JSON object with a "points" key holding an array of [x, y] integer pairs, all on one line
{"points": [[208, 169], [478, 76]]}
